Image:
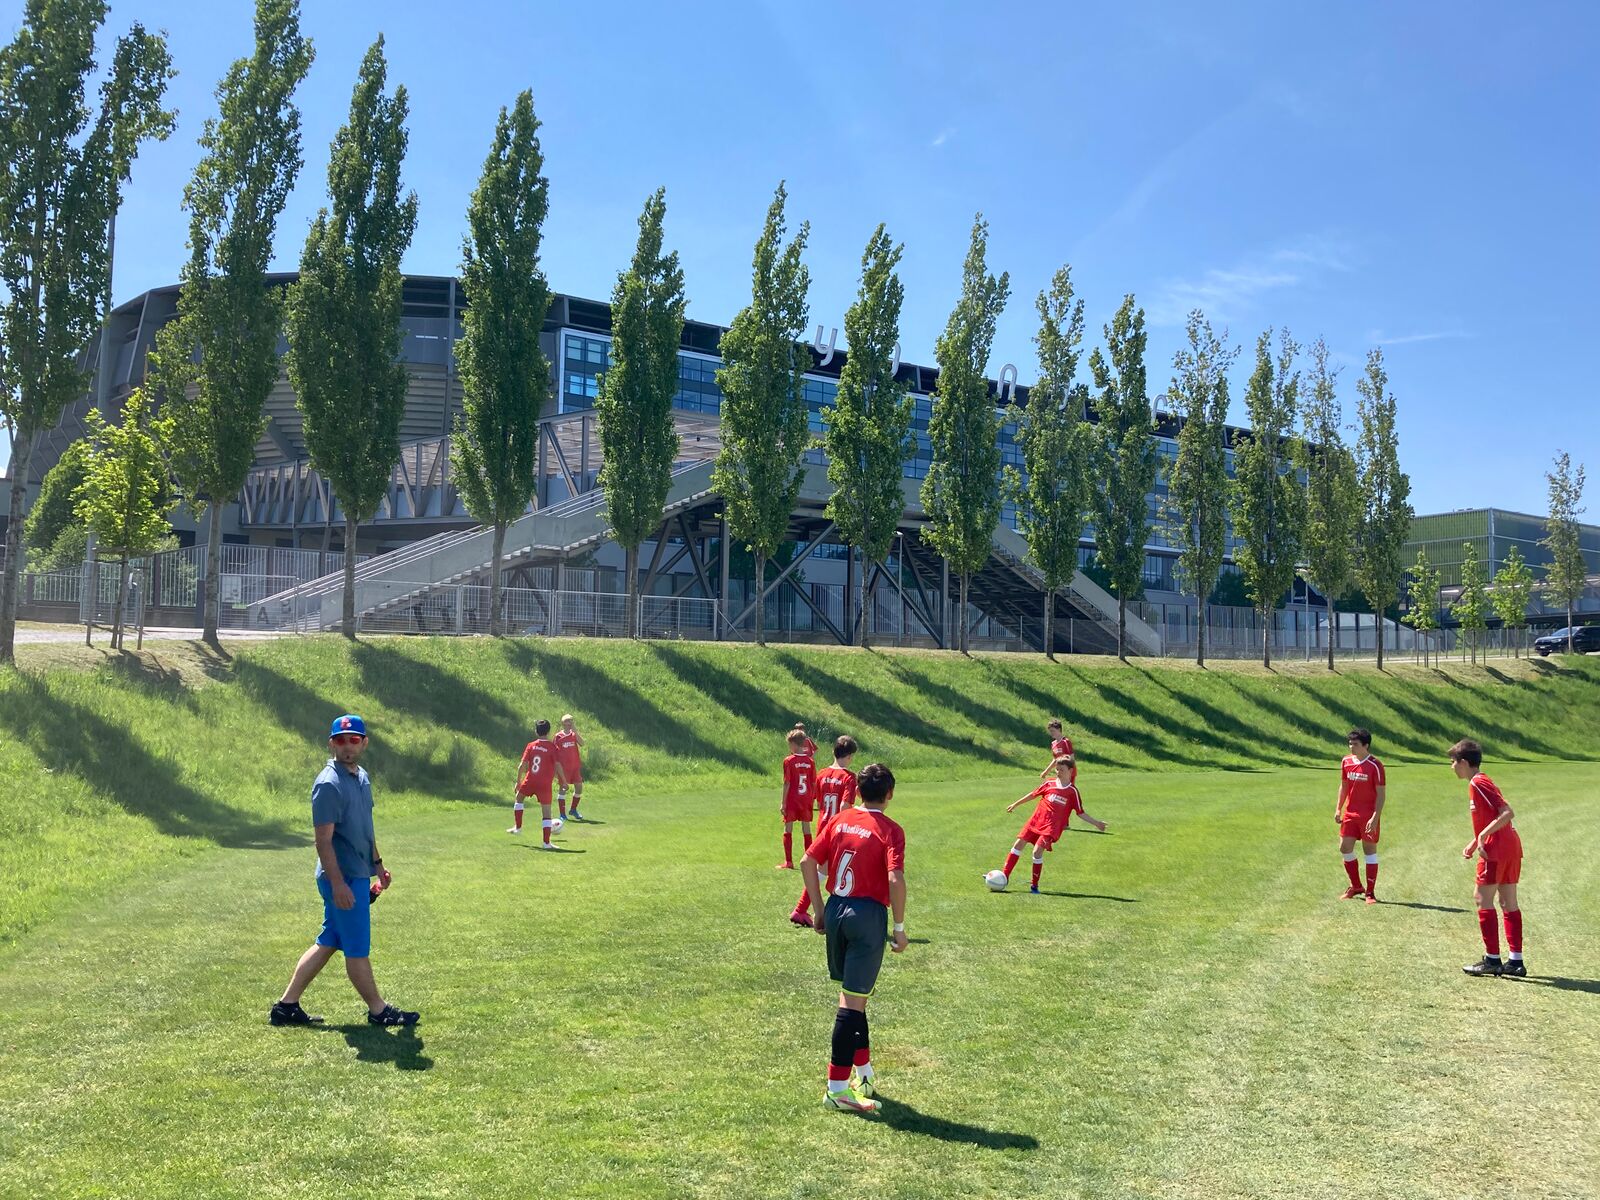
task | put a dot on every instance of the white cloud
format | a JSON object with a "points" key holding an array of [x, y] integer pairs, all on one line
{"points": [[1377, 337], [1227, 294], [941, 137]]}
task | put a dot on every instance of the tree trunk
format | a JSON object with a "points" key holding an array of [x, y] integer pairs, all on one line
{"points": [[1122, 628], [350, 577], [1330, 629], [212, 592], [1266, 638], [761, 598], [861, 602], [494, 577], [1049, 628], [1569, 626], [1377, 629], [966, 579], [122, 599], [631, 566], [21, 457], [1199, 634]]}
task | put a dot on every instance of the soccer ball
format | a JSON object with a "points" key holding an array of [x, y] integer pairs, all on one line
{"points": [[555, 824], [996, 880]]}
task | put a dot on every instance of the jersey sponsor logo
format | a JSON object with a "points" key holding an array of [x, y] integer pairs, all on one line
{"points": [[858, 831]]}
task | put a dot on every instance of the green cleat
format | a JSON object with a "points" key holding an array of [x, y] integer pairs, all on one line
{"points": [[850, 1101]]}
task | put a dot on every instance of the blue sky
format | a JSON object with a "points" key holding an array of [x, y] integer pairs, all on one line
{"points": [[1422, 176]]}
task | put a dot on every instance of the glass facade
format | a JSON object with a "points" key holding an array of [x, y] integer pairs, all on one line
{"points": [[1443, 537]]}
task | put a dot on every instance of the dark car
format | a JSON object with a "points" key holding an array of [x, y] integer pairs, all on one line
{"points": [[1585, 640]]}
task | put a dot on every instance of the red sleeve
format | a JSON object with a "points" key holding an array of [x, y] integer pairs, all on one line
{"points": [[848, 797], [897, 849], [1491, 794], [1382, 780], [527, 753]]}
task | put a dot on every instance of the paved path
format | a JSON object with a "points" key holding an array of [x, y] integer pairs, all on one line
{"points": [[151, 633]]}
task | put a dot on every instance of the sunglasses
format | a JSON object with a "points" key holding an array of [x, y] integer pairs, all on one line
{"points": [[348, 739]]}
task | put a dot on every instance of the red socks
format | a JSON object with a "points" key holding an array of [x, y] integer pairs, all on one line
{"points": [[1354, 871], [1491, 931], [863, 1056], [806, 840], [788, 849], [516, 812], [1372, 877], [547, 833], [805, 903], [1037, 867], [1011, 864], [1513, 930]]}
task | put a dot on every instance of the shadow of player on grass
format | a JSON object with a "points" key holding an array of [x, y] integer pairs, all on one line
{"points": [[1089, 896], [1562, 983], [1444, 908], [375, 1044], [899, 1115]]}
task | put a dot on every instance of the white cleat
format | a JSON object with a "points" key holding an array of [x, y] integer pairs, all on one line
{"points": [[513, 829]]}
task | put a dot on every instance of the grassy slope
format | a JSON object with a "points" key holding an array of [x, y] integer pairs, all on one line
{"points": [[1195, 1018]]}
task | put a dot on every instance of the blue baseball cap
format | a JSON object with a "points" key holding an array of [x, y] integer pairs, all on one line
{"points": [[349, 723]]}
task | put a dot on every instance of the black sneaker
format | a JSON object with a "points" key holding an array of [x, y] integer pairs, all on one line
{"points": [[1515, 969], [285, 1013], [393, 1016], [1489, 966]]}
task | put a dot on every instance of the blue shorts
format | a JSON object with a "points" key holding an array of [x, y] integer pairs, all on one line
{"points": [[347, 929]]}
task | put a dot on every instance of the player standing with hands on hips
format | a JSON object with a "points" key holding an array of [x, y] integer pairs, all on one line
{"points": [[350, 876], [863, 854], [1498, 849]]}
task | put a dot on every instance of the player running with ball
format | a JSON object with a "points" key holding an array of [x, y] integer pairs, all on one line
{"points": [[863, 854], [1498, 848], [1058, 800], [540, 765]]}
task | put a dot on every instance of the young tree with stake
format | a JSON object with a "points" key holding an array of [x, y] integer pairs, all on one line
{"points": [[1125, 458], [1197, 483], [764, 421], [1384, 522], [1423, 601], [343, 314], [638, 438], [961, 493], [63, 164], [1332, 497], [1471, 607], [215, 365], [1512, 590], [1566, 574], [868, 425], [505, 379]]}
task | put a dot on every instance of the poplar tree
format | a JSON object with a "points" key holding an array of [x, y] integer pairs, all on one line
{"points": [[765, 432], [1512, 590], [124, 499], [1332, 499], [1125, 458], [63, 163], [1268, 502], [53, 519], [1471, 607], [1423, 600], [1197, 482], [1384, 491], [961, 493], [1566, 574], [638, 437], [1053, 501], [505, 379], [868, 426], [217, 362], [343, 313]]}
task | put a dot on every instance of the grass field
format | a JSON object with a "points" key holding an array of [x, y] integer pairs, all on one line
{"points": [[1186, 1012]]}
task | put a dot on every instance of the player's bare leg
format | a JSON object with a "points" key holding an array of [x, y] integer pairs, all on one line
{"points": [[1370, 851], [1347, 851], [805, 836], [544, 809]]}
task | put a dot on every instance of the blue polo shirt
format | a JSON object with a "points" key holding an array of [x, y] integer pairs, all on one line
{"points": [[344, 800]]}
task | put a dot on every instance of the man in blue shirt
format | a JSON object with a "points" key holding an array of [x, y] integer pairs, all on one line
{"points": [[350, 876]]}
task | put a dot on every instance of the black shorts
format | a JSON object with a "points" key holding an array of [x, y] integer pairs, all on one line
{"points": [[857, 931]]}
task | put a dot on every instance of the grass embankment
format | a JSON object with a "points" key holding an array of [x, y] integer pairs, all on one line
{"points": [[1186, 1012]]}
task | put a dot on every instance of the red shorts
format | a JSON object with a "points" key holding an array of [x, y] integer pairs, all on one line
{"points": [[1041, 834], [531, 791], [1507, 868], [574, 774], [1355, 826], [798, 809]]}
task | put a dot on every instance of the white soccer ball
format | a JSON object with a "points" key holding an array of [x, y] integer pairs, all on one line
{"points": [[996, 880], [555, 824]]}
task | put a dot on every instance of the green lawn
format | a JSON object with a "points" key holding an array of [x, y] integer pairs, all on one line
{"points": [[1191, 1014]]}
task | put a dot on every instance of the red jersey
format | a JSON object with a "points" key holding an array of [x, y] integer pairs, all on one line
{"points": [[1487, 804], [810, 749], [567, 751], [836, 789], [1057, 802], [539, 759], [1362, 779], [857, 849], [799, 780], [1061, 746]]}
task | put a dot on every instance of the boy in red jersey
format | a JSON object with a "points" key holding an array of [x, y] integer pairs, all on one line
{"points": [[538, 767], [567, 741], [1058, 800], [1498, 847], [836, 790], [799, 795], [1060, 747], [863, 854], [1361, 793]]}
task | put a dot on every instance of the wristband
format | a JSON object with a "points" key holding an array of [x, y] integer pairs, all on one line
{"points": [[899, 926]]}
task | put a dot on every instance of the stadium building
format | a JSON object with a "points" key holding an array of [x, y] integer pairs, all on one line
{"points": [[423, 534], [1494, 532]]}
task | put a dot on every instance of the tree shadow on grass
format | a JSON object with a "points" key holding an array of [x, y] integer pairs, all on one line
{"points": [[982, 716], [1315, 730], [441, 698], [1108, 737], [375, 1044], [902, 1117], [1229, 730], [869, 708], [1562, 983], [727, 690], [621, 708], [106, 756]]}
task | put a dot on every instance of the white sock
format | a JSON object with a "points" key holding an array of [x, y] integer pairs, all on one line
{"points": [[1038, 860], [1350, 857], [1516, 956], [864, 1070], [835, 1086]]}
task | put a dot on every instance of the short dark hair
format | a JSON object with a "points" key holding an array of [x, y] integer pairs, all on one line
{"points": [[1467, 751], [844, 746], [541, 727], [875, 782], [1358, 734]]}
